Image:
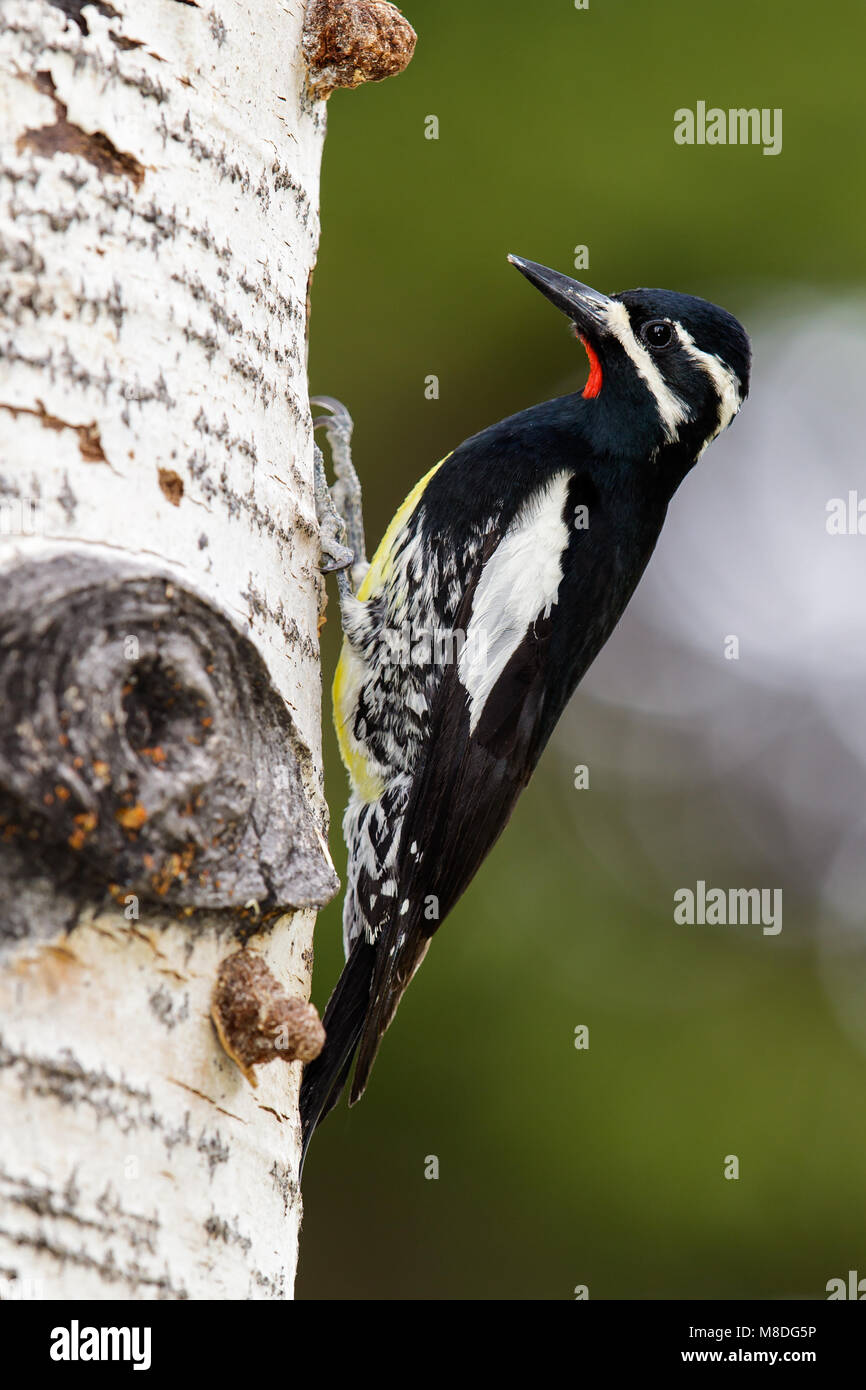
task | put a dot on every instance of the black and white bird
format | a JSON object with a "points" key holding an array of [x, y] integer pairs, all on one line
{"points": [[497, 583]]}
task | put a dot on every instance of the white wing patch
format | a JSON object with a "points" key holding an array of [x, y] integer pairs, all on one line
{"points": [[518, 585]]}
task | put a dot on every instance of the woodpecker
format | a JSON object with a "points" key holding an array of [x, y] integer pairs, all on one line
{"points": [[496, 585]]}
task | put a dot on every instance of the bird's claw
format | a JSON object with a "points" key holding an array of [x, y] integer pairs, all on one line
{"points": [[338, 417], [335, 556], [344, 497]]}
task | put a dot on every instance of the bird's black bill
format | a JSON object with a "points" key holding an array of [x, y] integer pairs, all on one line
{"points": [[584, 306]]}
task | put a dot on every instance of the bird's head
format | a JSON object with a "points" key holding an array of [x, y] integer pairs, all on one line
{"points": [[667, 370]]}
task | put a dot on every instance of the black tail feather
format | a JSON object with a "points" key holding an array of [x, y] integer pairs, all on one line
{"points": [[325, 1077]]}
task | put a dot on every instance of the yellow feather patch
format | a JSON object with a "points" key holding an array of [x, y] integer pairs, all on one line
{"points": [[365, 778], [380, 565]]}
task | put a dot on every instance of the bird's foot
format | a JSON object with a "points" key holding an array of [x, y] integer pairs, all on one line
{"points": [[337, 557], [346, 492]]}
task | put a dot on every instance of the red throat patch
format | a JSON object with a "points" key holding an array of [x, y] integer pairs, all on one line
{"points": [[593, 385]]}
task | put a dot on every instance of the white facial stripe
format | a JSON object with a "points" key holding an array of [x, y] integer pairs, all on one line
{"points": [[672, 410], [518, 585], [724, 380]]}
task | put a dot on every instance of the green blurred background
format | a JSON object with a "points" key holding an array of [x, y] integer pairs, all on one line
{"points": [[560, 1167]]}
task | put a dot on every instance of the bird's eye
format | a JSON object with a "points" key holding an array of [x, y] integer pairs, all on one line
{"points": [[658, 333]]}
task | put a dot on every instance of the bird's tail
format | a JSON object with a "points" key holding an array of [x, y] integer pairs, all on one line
{"points": [[325, 1077]]}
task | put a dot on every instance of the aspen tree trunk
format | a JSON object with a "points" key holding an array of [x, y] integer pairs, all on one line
{"points": [[162, 820]]}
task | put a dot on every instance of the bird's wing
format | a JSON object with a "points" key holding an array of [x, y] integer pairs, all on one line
{"points": [[488, 726]]}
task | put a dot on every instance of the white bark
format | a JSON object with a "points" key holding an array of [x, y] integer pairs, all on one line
{"points": [[159, 178]]}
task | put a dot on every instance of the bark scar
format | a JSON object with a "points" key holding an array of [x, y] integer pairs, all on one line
{"points": [[257, 1021], [171, 485], [347, 42], [210, 1100], [144, 752], [89, 438], [64, 137], [72, 10]]}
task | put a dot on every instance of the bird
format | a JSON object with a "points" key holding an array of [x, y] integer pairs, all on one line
{"points": [[497, 583]]}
